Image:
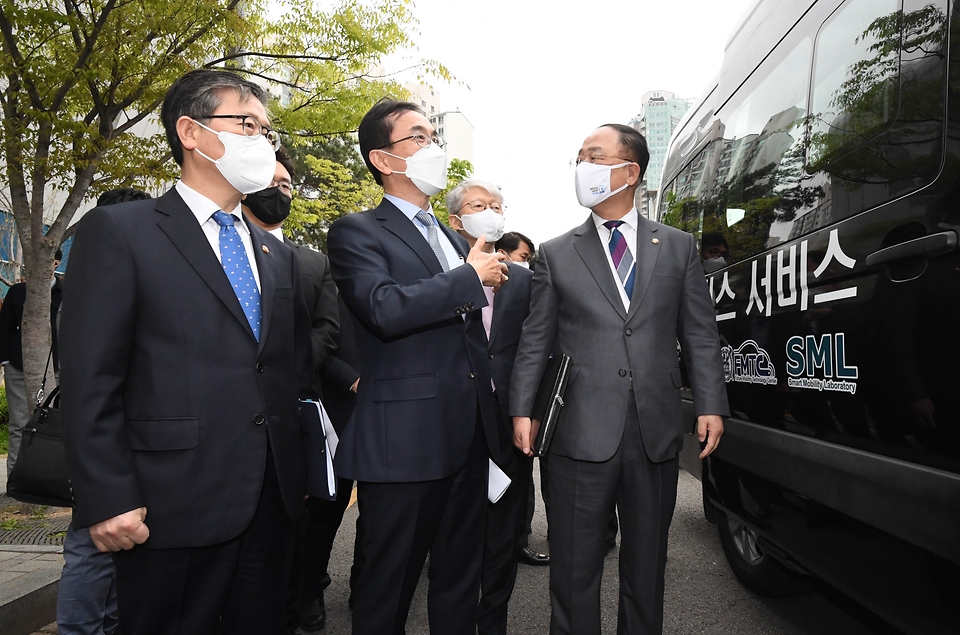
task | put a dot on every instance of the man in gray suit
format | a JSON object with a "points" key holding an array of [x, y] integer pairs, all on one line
{"points": [[616, 294]]}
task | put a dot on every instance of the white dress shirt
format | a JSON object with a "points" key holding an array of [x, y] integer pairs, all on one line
{"points": [[203, 208], [629, 231]]}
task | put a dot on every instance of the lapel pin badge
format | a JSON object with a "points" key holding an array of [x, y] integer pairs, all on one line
{"points": [[265, 249], [655, 241]]}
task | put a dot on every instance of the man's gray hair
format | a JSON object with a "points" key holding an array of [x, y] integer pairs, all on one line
{"points": [[197, 94], [455, 196]]}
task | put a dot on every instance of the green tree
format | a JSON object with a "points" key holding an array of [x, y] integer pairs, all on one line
{"points": [[331, 181], [458, 171], [82, 83]]}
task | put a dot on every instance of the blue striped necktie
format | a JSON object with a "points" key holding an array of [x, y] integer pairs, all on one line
{"points": [[236, 265], [622, 258]]}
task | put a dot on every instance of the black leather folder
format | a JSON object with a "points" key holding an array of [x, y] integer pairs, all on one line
{"points": [[549, 401]]}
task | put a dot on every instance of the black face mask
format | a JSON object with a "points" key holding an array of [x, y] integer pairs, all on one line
{"points": [[269, 205]]}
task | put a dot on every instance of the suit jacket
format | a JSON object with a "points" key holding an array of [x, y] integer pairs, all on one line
{"points": [[340, 372], [577, 310], [511, 306], [11, 317], [168, 401], [422, 351], [320, 295]]}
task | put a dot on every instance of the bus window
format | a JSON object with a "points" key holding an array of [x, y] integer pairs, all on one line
{"points": [[855, 79], [745, 182]]}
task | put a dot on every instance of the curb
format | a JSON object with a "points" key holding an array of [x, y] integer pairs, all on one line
{"points": [[33, 604]]}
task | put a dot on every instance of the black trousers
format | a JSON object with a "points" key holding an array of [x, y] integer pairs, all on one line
{"points": [[233, 588], [504, 534], [402, 522], [582, 497], [315, 533]]}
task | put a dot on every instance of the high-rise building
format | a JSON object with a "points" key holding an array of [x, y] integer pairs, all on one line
{"points": [[660, 113], [456, 131]]}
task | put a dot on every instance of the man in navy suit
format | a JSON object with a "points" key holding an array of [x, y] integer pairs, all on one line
{"points": [[185, 349], [424, 425]]}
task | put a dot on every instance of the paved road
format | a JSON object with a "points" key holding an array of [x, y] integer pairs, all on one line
{"points": [[702, 594]]}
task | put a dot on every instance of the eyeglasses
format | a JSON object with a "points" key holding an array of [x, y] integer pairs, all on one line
{"points": [[422, 140], [479, 206], [253, 128], [283, 186], [597, 158]]}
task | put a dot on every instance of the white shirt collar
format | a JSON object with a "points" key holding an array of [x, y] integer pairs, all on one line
{"points": [[277, 233], [203, 208], [631, 219], [409, 209]]}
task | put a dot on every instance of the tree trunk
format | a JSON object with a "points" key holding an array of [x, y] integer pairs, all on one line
{"points": [[35, 329]]}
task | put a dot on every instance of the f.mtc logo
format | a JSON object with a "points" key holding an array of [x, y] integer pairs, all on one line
{"points": [[749, 364]]}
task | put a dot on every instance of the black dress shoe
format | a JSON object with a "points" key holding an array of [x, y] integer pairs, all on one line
{"points": [[313, 617], [531, 557]]}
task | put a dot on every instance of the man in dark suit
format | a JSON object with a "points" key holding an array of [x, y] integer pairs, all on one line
{"points": [[616, 294], [185, 348], [425, 421], [317, 529], [476, 210]]}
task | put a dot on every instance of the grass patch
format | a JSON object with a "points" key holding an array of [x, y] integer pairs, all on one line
{"points": [[10, 524]]}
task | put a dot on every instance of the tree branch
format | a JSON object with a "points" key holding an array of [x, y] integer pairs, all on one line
{"points": [[275, 56]]}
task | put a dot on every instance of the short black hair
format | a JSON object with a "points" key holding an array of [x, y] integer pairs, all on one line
{"points": [[284, 159], [122, 195], [377, 126], [634, 144], [511, 242], [712, 239], [197, 94], [58, 255]]}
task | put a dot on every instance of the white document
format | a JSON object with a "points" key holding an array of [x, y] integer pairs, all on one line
{"points": [[328, 431], [497, 482]]}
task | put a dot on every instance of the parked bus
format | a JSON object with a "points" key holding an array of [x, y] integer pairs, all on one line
{"points": [[820, 173]]}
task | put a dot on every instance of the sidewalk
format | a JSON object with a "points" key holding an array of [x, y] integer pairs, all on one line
{"points": [[31, 558]]}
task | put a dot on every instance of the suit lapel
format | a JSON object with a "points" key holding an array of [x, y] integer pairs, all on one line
{"points": [[591, 250], [397, 223], [181, 227], [266, 267], [646, 253]]}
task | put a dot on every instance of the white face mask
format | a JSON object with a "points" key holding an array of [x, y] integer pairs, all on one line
{"points": [[593, 183], [713, 264], [521, 263], [487, 223], [247, 163], [427, 168]]}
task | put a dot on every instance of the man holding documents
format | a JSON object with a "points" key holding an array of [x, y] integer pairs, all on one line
{"points": [[616, 294], [424, 427], [476, 210]]}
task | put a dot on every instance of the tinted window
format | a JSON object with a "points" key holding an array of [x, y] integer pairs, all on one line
{"points": [[855, 79], [747, 180]]}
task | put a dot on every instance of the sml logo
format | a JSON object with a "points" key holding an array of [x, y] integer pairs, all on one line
{"points": [[749, 364], [809, 356]]}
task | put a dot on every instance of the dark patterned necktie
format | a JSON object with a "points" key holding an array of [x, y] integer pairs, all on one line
{"points": [[622, 258]]}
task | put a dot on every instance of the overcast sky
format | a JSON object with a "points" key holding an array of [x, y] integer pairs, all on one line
{"points": [[542, 75]]}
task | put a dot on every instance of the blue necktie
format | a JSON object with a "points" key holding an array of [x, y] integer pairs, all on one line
{"points": [[622, 258], [237, 267]]}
